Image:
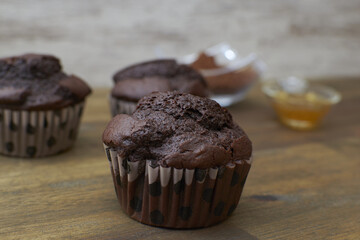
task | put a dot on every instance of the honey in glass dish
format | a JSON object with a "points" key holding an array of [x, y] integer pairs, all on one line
{"points": [[301, 109]]}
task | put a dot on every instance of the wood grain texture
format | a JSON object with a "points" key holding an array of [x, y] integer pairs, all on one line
{"points": [[303, 185]]}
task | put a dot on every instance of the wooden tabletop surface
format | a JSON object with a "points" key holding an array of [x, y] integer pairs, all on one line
{"points": [[303, 185]]}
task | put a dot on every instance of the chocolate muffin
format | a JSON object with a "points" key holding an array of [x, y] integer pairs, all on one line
{"points": [[40, 106], [179, 161], [139, 80]]}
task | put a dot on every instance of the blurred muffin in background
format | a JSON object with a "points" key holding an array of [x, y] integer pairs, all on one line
{"points": [[40, 106], [139, 80]]}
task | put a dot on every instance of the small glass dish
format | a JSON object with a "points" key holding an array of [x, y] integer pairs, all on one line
{"points": [[298, 104], [228, 75]]}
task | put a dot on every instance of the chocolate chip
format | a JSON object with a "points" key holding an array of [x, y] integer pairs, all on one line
{"points": [[219, 208], [207, 195], [136, 204], [235, 179], [9, 146], [185, 213], [179, 186], [31, 151], [156, 217], [231, 209], [30, 129], [51, 142], [155, 189]]}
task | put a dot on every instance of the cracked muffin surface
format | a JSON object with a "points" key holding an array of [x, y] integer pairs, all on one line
{"points": [[178, 130], [138, 80], [37, 82]]}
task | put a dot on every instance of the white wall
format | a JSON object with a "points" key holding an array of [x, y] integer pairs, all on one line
{"points": [[95, 38]]}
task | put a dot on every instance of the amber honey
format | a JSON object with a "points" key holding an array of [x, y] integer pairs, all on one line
{"points": [[299, 105], [301, 112]]}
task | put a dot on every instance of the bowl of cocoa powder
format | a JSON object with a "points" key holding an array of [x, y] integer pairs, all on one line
{"points": [[229, 76]]}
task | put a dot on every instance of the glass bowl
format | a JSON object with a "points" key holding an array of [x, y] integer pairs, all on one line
{"points": [[300, 105], [228, 75]]}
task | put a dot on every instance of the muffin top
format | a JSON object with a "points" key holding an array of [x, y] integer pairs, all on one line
{"points": [[178, 130], [136, 81], [37, 82]]}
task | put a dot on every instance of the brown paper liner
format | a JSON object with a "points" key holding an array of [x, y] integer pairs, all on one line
{"points": [[38, 133], [121, 106], [177, 198]]}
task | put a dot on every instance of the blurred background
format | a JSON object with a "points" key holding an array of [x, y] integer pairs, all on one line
{"points": [[94, 39]]}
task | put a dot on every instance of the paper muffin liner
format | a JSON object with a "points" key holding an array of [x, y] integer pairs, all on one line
{"points": [[118, 106], [38, 133], [177, 198]]}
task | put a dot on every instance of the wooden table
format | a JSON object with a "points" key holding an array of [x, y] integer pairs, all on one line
{"points": [[303, 185]]}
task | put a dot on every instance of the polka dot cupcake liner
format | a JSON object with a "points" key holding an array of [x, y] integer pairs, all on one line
{"points": [[121, 106], [177, 198], [38, 133]]}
